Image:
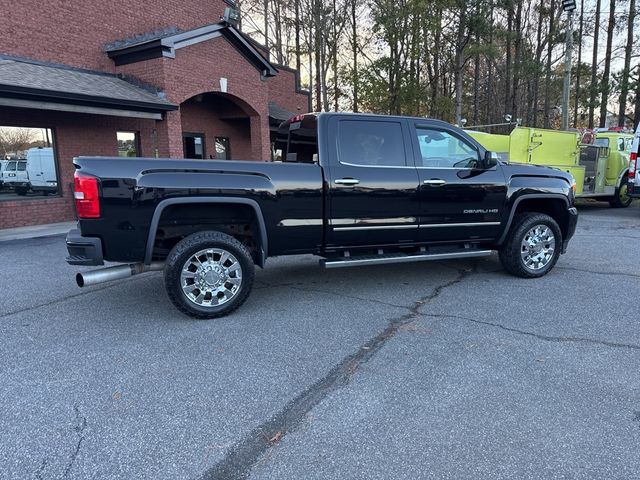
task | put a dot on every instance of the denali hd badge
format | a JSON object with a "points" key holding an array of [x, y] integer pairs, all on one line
{"points": [[482, 210]]}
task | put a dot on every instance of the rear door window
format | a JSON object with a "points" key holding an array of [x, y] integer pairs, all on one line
{"points": [[371, 143]]}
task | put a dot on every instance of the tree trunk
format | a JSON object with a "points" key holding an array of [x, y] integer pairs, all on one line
{"points": [[626, 72], [547, 81], [489, 89], [507, 70], [607, 64], [536, 77], [459, 63], [266, 23], [354, 45], [296, 22], [579, 69], [516, 66], [594, 67]]}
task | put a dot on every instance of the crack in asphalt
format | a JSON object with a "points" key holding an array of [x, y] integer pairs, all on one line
{"points": [[238, 463], [539, 336], [79, 429]]}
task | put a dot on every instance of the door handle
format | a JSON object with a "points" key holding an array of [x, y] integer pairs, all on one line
{"points": [[347, 181], [435, 182]]}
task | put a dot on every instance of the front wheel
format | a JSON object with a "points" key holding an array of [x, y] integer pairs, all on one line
{"points": [[532, 246], [208, 274], [621, 198]]}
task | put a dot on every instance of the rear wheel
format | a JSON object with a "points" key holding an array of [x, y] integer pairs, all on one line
{"points": [[209, 274], [621, 198], [532, 246]]}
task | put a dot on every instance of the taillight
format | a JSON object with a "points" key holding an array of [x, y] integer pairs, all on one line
{"points": [[633, 165], [86, 195]]}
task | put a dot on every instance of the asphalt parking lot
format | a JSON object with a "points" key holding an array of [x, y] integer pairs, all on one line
{"points": [[430, 370]]}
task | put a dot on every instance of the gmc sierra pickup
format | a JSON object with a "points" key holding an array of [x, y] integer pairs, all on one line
{"points": [[354, 189]]}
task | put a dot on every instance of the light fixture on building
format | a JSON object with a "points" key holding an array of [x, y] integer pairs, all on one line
{"points": [[231, 16], [568, 5]]}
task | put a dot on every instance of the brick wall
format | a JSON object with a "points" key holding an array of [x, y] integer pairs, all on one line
{"points": [[282, 91], [74, 135], [74, 32], [202, 117]]}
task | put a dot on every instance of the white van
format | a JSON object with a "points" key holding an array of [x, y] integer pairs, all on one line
{"points": [[3, 165], [41, 170], [15, 176], [634, 166]]}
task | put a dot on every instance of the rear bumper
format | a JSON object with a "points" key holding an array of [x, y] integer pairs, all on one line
{"points": [[571, 227], [83, 250]]}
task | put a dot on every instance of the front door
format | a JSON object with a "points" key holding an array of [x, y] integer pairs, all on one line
{"points": [[193, 145], [459, 198], [372, 182]]}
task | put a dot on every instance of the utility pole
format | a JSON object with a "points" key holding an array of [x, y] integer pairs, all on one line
{"points": [[568, 6]]}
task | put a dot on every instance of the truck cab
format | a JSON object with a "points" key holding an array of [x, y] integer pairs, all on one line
{"points": [[634, 174], [600, 167]]}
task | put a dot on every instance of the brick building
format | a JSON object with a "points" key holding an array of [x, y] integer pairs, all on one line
{"points": [[164, 78]]}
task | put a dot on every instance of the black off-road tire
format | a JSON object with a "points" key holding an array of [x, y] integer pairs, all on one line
{"points": [[621, 198], [190, 245], [510, 252]]}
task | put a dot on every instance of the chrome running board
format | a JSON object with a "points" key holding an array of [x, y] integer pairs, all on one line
{"points": [[343, 262]]}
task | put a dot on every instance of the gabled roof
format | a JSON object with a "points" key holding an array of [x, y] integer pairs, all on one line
{"points": [[32, 84], [165, 43]]}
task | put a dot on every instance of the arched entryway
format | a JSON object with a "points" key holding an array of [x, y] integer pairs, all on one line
{"points": [[221, 126]]}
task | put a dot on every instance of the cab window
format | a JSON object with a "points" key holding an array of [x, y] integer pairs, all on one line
{"points": [[371, 143], [440, 149]]}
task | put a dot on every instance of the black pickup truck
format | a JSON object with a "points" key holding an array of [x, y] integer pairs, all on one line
{"points": [[353, 189]]}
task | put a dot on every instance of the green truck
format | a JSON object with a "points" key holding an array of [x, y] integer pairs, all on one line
{"points": [[600, 168]]}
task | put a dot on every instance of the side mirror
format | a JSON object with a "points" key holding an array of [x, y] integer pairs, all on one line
{"points": [[490, 159]]}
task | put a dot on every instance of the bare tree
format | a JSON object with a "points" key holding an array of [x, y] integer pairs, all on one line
{"points": [[13, 140]]}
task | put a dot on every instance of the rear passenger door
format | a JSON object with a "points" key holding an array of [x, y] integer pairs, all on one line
{"points": [[372, 184]]}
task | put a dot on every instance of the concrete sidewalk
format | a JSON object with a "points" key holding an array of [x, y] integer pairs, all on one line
{"points": [[35, 231]]}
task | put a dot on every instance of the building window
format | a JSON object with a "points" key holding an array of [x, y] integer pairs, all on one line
{"points": [[128, 144], [223, 148], [28, 166]]}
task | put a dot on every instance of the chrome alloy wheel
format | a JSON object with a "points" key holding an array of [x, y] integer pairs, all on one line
{"points": [[211, 277], [538, 247]]}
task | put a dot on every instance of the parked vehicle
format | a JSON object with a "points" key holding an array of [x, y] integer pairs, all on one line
{"points": [[15, 176], [634, 167], [41, 170], [601, 169], [354, 190], [3, 165]]}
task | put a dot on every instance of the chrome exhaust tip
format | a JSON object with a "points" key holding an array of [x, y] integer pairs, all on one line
{"points": [[119, 272]]}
